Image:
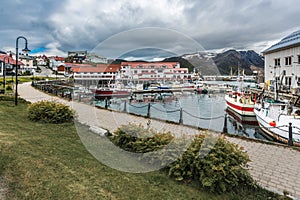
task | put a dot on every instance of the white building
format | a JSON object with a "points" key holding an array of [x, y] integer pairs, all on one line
{"points": [[55, 61], [153, 71], [282, 61], [28, 63], [41, 60]]}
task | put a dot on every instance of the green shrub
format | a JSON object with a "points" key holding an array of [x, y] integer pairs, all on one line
{"points": [[217, 167], [135, 138], [27, 73], [221, 170], [50, 112]]}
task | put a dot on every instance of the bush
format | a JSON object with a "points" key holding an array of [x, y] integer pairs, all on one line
{"points": [[50, 112], [27, 73], [135, 138], [221, 170]]}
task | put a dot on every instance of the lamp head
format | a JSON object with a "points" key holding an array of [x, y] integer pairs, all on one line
{"points": [[26, 50]]}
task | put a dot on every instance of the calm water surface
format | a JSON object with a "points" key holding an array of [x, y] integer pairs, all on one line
{"points": [[204, 111]]}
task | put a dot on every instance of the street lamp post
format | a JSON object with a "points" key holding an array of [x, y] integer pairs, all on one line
{"points": [[25, 50]]}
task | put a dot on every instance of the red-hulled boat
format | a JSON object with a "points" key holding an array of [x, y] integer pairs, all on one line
{"points": [[101, 93], [240, 102]]}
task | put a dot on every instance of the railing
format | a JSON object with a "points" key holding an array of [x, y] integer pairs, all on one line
{"points": [[55, 87], [150, 108]]}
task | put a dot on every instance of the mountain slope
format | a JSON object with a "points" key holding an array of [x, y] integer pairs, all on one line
{"points": [[221, 64]]}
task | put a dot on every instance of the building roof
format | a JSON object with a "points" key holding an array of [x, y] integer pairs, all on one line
{"points": [[291, 40], [57, 58], [110, 67], [150, 64], [8, 59]]}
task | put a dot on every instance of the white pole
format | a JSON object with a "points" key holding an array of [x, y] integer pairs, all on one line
{"points": [[275, 84]]}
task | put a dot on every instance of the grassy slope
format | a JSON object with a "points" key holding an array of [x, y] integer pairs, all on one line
{"points": [[43, 161]]}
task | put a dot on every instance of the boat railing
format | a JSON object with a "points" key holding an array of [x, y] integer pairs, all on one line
{"points": [[291, 133]]}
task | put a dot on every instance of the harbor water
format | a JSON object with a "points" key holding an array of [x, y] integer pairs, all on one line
{"points": [[207, 111]]}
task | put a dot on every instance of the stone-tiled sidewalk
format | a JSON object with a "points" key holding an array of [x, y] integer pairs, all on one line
{"points": [[274, 167]]}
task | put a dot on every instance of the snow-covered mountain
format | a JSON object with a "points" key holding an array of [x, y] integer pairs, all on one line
{"points": [[221, 63]]}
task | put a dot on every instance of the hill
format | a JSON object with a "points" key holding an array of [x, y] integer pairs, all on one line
{"points": [[244, 60], [212, 64]]}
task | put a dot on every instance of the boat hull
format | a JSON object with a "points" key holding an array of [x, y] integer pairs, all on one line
{"points": [[277, 126], [101, 94], [242, 119]]}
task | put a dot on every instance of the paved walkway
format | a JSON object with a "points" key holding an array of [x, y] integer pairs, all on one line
{"points": [[276, 168]]}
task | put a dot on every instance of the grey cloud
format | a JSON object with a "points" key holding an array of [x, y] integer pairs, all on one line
{"points": [[84, 25]]}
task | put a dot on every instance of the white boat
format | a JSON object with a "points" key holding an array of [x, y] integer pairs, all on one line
{"points": [[241, 102], [274, 118]]}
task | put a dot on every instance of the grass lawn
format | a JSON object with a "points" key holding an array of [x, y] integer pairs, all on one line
{"points": [[10, 81], [45, 161]]}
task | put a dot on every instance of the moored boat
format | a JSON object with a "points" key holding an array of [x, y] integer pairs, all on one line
{"points": [[101, 93], [276, 118], [240, 102]]}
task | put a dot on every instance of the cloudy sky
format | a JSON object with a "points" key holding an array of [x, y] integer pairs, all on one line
{"points": [[115, 28]]}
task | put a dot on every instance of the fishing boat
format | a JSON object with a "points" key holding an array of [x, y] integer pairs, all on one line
{"points": [[241, 102], [240, 99], [276, 117], [101, 93], [110, 91]]}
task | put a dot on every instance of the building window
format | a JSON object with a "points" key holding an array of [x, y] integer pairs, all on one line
{"points": [[298, 59], [288, 60], [277, 61], [288, 81]]}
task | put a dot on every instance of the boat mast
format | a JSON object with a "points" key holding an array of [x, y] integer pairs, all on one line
{"points": [[275, 85], [240, 82]]}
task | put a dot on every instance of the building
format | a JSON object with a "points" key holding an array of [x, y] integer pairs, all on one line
{"points": [[88, 74], [77, 56], [282, 60], [42, 60], [7, 62], [126, 72], [153, 71], [28, 64], [101, 74], [55, 61]]}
